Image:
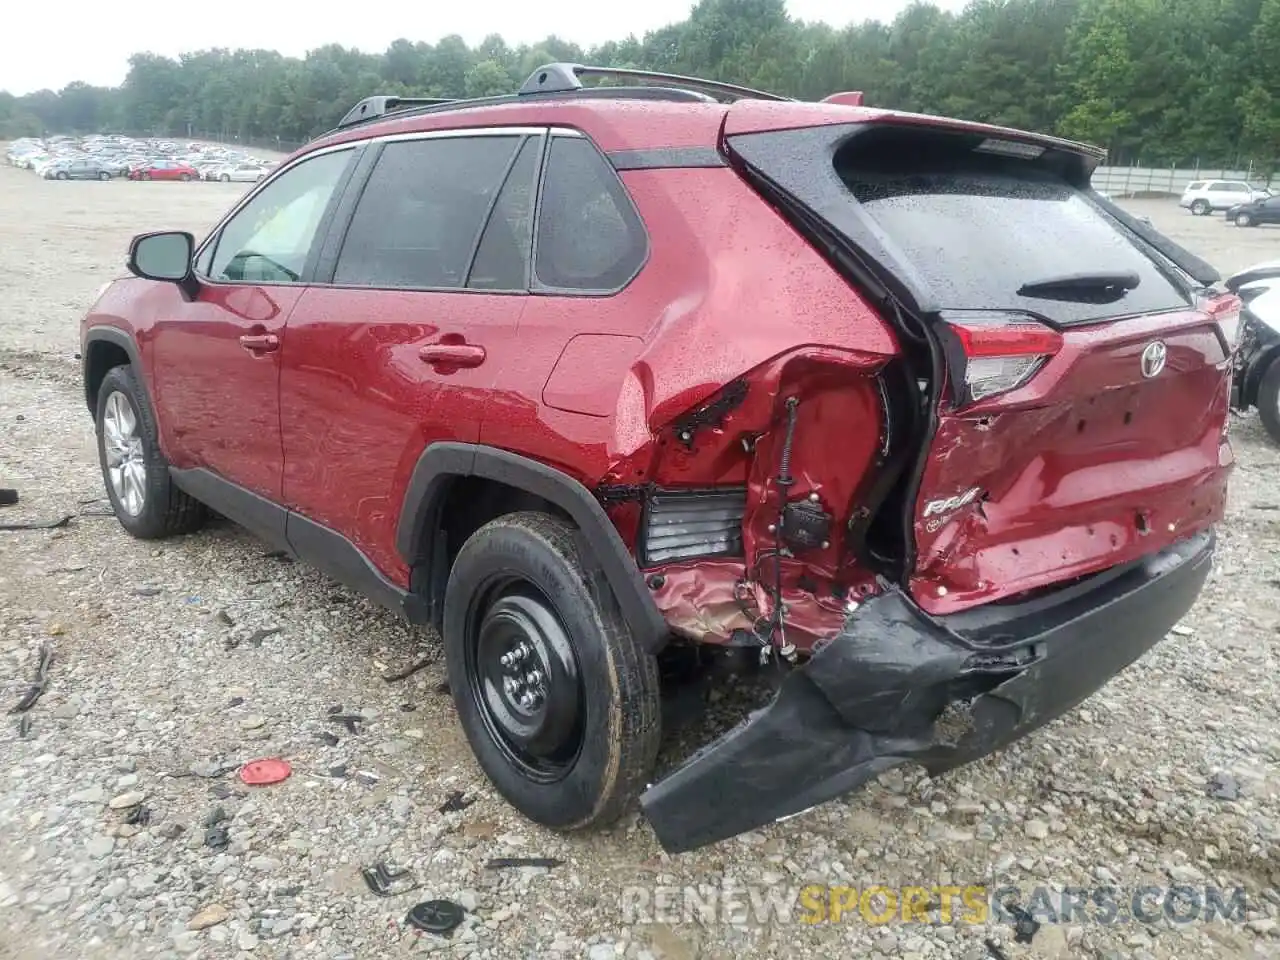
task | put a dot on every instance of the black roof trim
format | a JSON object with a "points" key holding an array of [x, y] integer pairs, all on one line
{"points": [[557, 80], [566, 78], [663, 158]]}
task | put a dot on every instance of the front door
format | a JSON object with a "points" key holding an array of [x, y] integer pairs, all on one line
{"points": [[216, 358], [408, 327]]}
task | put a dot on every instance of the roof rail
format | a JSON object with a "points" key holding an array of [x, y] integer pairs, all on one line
{"points": [[556, 79], [372, 107], [565, 78]]}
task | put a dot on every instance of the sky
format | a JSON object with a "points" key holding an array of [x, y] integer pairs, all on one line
{"points": [[98, 38]]}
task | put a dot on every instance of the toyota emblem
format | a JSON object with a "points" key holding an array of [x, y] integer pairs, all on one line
{"points": [[1153, 358]]}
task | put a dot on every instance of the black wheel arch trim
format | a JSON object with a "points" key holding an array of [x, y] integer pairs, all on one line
{"points": [[104, 333], [442, 463]]}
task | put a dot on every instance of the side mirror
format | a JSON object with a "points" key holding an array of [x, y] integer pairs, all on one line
{"points": [[164, 256]]}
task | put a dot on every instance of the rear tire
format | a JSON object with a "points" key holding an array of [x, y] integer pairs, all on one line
{"points": [[568, 730], [185, 177], [145, 176], [104, 176], [135, 472], [61, 175], [225, 178], [1268, 402], [1200, 208]]}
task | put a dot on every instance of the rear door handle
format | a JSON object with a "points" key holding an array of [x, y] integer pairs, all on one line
{"points": [[453, 354], [260, 342]]}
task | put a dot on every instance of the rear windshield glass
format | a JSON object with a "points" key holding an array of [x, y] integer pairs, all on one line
{"points": [[979, 228]]}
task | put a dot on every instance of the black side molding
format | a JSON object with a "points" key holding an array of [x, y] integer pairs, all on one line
{"points": [[442, 463], [325, 549], [120, 338]]}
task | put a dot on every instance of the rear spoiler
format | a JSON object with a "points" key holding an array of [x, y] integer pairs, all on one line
{"points": [[1199, 270]]}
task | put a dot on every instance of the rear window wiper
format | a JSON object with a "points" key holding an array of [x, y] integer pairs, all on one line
{"points": [[1099, 287]]}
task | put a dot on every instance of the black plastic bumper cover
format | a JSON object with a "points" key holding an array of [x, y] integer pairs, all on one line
{"points": [[896, 685]]}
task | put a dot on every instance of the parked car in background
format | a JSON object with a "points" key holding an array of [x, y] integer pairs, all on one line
{"points": [[1257, 363], [1202, 197], [77, 170], [239, 172], [164, 170], [1255, 213], [944, 498]]}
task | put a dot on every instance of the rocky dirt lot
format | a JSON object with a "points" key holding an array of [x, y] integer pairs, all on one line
{"points": [[175, 663]]}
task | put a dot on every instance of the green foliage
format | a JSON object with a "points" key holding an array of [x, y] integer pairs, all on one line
{"points": [[1168, 82]]}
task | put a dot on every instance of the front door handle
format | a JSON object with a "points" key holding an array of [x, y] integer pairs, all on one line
{"points": [[260, 342], [453, 354]]}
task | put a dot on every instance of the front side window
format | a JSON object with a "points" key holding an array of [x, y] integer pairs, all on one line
{"points": [[422, 210], [269, 238], [590, 237]]}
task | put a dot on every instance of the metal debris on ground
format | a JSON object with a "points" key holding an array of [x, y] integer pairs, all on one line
{"points": [[8, 496], [38, 524], [456, 801], [504, 863], [39, 684], [139, 816], [327, 738], [408, 707], [1024, 924], [993, 948], [147, 591], [337, 771], [217, 834], [443, 687], [224, 618], [262, 773], [255, 639], [440, 917], [1223, 786], [281, 555], [24, 726], [388, 881], [349, 720], [408, 671]]}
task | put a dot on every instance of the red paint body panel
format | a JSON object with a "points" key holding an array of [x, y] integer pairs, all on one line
{"points": [[217, 403], [359, 405], [1070, 462]]}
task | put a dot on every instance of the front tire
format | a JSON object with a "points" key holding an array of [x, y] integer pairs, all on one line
{"points": [[558, 700], [145, 176], [62, 175], [136, 473], [1200, 208], [1244, 220], [1268, 402], [225, 178], [186, 177], [103, 175]]}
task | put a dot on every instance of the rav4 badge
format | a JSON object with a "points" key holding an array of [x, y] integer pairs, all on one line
{"points": [[933, 508]]}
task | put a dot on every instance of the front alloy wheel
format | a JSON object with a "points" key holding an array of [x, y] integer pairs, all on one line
{"points": [[122, 446]]}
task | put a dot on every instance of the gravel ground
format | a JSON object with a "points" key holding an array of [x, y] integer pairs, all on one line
{"points": [[176, 662]]}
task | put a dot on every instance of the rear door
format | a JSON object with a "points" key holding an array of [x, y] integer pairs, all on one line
{"points": [[1080, 388], [412, 320]]}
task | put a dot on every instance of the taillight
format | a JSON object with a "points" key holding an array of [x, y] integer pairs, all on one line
{"points": [[991, 353], [1225, 311]]}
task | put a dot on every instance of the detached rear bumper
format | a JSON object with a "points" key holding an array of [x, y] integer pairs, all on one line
{"points": [[896, 685]]}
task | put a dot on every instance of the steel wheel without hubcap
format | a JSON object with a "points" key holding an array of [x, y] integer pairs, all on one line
{"points": [[523, 675], [122, 443]]}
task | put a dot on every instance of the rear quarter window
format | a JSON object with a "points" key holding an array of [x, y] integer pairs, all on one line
{"points": [[977, 228]]}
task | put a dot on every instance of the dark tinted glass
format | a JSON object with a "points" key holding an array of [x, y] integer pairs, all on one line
{"points": [[502, 260], [589, 235], [979, 228], [421, 212]]}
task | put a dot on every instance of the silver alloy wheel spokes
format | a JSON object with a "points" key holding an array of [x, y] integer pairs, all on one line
{"points": [[122, 444]]}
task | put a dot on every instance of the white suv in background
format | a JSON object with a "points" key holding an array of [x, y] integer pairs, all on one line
{"points": [[1204, 196]]}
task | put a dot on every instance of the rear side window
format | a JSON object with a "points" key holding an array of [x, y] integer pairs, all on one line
{"points": [[502, 259], [590, 237], [978, 227], [1198, 185], [1221, 187], [422, 210]]}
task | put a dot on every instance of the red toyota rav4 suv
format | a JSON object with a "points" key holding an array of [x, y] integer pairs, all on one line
{"points": [[586, 375]]}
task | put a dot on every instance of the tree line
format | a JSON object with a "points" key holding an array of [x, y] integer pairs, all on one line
{"points": [[1157, 82]]}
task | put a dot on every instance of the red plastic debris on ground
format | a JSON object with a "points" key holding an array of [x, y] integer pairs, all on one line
{"points": [[261, 773]]}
